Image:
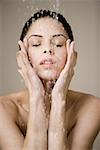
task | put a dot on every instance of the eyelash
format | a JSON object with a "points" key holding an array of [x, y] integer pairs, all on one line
{"points": [[59, 45], [36, 45]]}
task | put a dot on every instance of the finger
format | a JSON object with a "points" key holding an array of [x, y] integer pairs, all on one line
{"points": [[24, 58], [25, 50], [73, 53], [25, 41], [71, 58], [72, 46], [23, 68], [69, 50], [68, 45], [20, 64], [26, 63], [22, 47], [75, 58], [21, 73], [19, 61]]}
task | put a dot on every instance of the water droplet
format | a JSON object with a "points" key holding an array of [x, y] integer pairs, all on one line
{"points": [[37, 8], [54, 6], [32, 8], [23, 1], [27, 6], [43, 110], [37, 15], [54, 81], [57, 4], [49, 95], [56, 135], [56, 17], [43, 93], [63, 130], [59, 95]]}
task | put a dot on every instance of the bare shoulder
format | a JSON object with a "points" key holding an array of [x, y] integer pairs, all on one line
{"points": [[8, 121], [9, 103], [84, 101], [87, 110], [86, 105]]}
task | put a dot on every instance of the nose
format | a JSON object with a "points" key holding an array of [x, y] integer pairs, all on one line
{"points": [[48, 51], [51, 51], [47, 47]]}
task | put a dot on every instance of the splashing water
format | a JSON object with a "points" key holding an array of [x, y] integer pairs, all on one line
{"points": [[56, 5], [23, 1]]}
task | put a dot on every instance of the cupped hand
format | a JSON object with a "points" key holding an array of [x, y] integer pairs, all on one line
{"points": [[62, 84], [27, 71]]}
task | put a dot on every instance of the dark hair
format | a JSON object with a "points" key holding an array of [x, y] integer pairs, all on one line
{"points": [[45, 13]]}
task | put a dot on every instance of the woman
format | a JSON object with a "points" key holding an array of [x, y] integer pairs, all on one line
{"points": [[47, 115]]}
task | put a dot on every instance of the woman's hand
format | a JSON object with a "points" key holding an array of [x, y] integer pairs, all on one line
{"points": [[32, 81], [61, 87]]}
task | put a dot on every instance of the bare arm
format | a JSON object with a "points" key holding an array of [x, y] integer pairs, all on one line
{"points": [[36, 135], [57, 124]]}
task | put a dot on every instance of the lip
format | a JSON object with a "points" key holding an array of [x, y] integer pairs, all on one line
{"points": [[47, 62]]}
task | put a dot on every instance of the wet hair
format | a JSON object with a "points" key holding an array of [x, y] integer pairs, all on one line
{"points": [[47, 13]]}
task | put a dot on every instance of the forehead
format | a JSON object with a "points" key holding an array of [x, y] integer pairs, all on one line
{"points": [[46, 27]]}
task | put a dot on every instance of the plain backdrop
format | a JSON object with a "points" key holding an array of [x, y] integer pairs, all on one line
{"points": [[84, 17]]}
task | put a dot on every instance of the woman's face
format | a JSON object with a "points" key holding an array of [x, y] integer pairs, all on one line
{"points": [[47, 47]]}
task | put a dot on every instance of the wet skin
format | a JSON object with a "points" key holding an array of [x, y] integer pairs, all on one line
{"points": [[48, 111], [82, 119]]}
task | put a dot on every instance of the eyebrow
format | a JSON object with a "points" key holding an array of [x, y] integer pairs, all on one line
{"points": [[55, 35], [36, 35]]}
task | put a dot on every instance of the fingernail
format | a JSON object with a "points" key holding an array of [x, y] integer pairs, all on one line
{"points": [[19, 42], [69, 40], [24, 39]]}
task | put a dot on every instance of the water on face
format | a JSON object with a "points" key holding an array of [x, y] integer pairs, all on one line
{"points": [[32, 6]]}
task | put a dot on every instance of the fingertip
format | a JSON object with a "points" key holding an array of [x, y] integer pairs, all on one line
{"points": [[25, 39], [25, 43], [68, 45], [68, 41], [73, 42], [19, 42]]}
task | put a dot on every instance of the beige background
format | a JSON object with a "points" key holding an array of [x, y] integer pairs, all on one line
{"points": [[84, 17]]}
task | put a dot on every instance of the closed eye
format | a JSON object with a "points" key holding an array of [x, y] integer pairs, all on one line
{"points": [[58, 45], [36, 45]]}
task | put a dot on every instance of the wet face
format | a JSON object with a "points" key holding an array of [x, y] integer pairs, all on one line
{"points": [[47, 47]]}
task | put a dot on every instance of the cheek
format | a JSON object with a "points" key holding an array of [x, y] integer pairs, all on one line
{"points": [[62, 57], [33, 56]]}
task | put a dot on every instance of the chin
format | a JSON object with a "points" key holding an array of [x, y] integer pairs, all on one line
{"points": [[48, 75]]}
